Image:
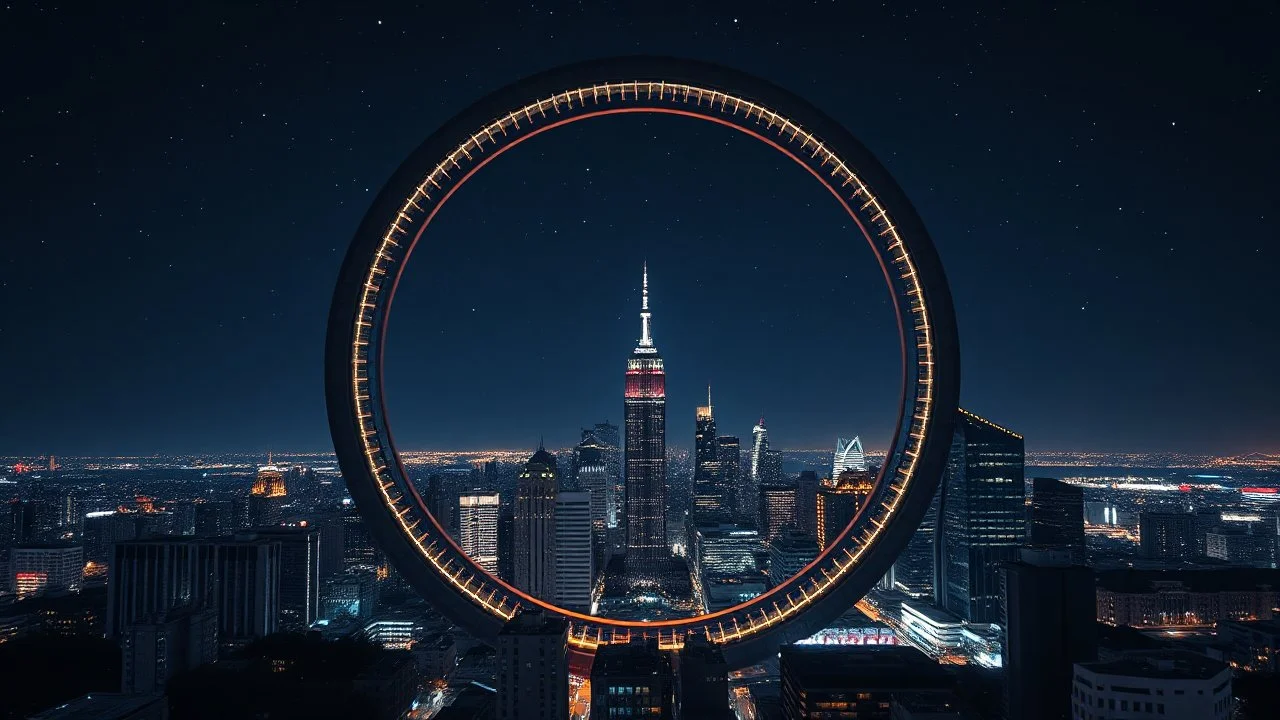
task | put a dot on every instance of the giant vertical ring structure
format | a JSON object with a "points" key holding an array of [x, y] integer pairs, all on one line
{"points": [[391, 504]]}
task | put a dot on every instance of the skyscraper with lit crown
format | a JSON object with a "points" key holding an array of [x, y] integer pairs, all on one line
{"points": [[535, 526], [709, 499], [645, 410]]}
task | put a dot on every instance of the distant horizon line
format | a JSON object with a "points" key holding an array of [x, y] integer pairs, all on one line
{"points": [[519, 449]]}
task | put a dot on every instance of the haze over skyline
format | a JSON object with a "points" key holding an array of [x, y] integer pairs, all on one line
{"points": [[174, 230]]}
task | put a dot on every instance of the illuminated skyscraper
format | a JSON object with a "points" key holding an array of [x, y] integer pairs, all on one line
{"points": [[645, 408], [757, 466], [838, 502], [729, 453], [849, 456], [478, 521], [267, 498], [608, 437], [709, 499], [591, 473], [534, 546], [777, 510], [914, 571], [983, 517]]}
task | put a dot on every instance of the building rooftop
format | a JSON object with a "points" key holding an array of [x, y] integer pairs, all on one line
{"points": [[47, 546], [816, 666], [1271, 627], [100, 706], [534, 622], [1198, 580], [630, 660], [935, 615], [1160, 664]]}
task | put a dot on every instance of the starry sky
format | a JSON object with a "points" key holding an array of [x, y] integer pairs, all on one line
{"points": [[180, 184]]}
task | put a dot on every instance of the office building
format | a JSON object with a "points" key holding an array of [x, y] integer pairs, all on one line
{"points": [[1173, 684], [729, 455], [645, 408], [606, 436], [533, 668], [777, 506], [40, 568], [940, 632], [1240, 547], [148, 578], [21, 526], [1049, 621], [702, 681], [357, 544], [1253, 646], [267, 497], [507, 545], [848, 456], [632, 680], [212, 518], [722, 591], [915, 569], [724, 549], [535, 526], [837, 503], [710, 500], [1057, 516], [788, 554], [478, 528], [591, 463], [247, 591], [1168, 535], [353, 595], [299, 575], [855, 682], [574, 568], [983, 516], [155, 649], [757, 471], [1153, 598], [807, 503], [332, 545]]}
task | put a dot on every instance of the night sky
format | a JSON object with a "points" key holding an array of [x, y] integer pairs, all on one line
{"points": [[180, 185]]}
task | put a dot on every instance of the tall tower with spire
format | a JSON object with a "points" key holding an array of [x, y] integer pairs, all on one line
{"points": [[645, 410]]}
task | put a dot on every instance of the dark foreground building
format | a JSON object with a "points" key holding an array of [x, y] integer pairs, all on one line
{"points": [[1049, 610], [632, 680], [533, 668], [856, 682]]}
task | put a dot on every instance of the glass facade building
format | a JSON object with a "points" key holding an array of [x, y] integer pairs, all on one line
{"points": [[983, 520]]}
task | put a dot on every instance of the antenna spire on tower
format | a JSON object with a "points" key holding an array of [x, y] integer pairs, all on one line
{"points": [[646, 341]]}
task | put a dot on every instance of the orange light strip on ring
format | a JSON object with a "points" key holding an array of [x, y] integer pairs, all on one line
{"points": [[710, 104]]}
